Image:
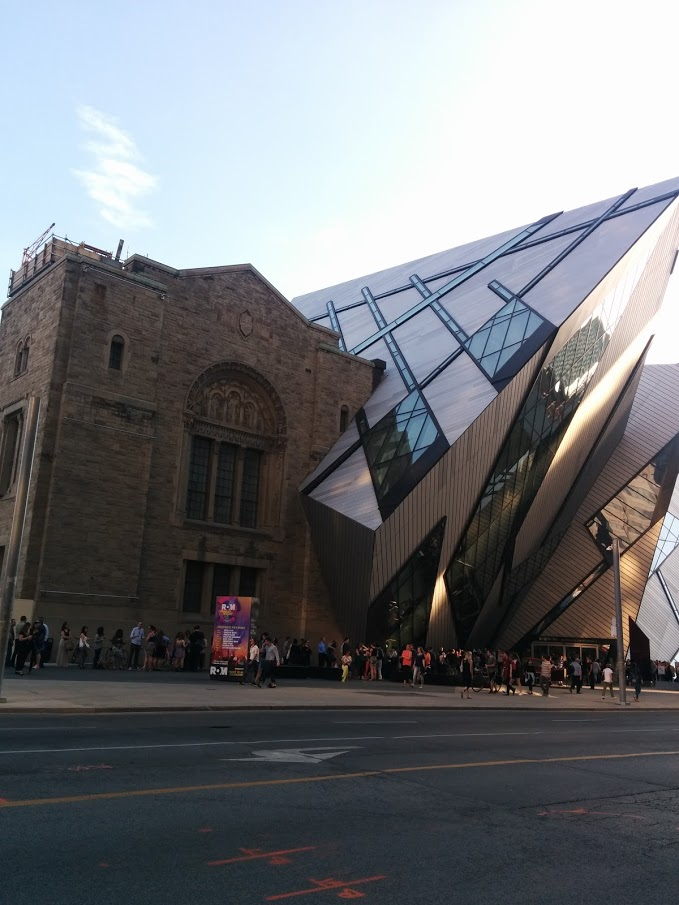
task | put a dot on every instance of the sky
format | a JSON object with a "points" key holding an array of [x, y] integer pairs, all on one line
{"points": [[324, 140]]}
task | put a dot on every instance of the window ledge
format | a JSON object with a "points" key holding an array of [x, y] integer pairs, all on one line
{"points": [[217, 527]]}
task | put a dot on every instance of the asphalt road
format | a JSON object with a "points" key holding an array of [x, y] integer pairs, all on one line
{"points": [[404, 807]]}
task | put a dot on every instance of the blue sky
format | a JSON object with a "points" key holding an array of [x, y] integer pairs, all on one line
{"points": [[320, 141]]}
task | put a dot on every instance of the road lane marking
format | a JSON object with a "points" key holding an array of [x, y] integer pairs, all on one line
{"points": [[465, 734], [256, 854], [331, 777], [347, 887], [294, 755]]}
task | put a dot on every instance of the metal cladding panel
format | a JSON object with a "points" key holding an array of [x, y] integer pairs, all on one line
{"points": [[458, 396], [578, 215], [425, 343], [349, 490], [670, 571], [560, 292], [344, 550], [592, 615], [451, 488], [325, 322], [345, 441], [653, 422], [652, 191], [657, 620], [394, 305], [313, 303], [390, 391], [356, 324], [615, 368]]}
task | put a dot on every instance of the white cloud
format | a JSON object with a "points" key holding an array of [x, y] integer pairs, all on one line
{"points": [[115, 181]]}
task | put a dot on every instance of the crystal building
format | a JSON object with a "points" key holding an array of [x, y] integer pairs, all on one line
{"points": [[516, 430]]}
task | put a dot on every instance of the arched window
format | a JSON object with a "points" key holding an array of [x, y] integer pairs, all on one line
{"points": [[24, 354], [19, 358], [116, 353], [344, 419]]}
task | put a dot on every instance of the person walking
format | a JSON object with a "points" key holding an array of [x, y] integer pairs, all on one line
{"points": [[272, 661], [467, 672], [607, 682], [594, 673], [529, 676], [83, 647], [491, 666], [253, 662], [136, 642], [65, 645], [545, 675], [321, 652], [635, 678]]}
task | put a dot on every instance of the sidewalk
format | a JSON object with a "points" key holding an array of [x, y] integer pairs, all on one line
{"points": [[106, 693]]}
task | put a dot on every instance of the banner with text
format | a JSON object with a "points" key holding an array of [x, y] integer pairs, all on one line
{"points": [[231, 638]]}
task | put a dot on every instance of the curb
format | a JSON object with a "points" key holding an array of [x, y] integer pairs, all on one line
{"points": [[231, 708]]}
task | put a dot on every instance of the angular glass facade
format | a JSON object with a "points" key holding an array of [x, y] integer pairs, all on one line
{"points": [[526, 456], [498, 339], [397, 443], [630, 512], [400, 615], [667, 542]]}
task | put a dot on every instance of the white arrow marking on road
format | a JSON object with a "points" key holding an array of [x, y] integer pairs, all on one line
{"points": [[294, 755]]}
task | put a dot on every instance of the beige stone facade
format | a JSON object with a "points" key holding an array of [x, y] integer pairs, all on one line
{"points": [[130, 516]]}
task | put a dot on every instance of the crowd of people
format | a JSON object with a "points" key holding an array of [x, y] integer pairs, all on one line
{"points": [[151, 649]]}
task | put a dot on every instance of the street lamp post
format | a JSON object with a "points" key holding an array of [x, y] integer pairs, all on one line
{"points": [[622, 684], [17, 530]]}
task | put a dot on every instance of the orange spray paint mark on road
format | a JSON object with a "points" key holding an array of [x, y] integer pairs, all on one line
{"points": [[584, 812], [256, 854], [103, 864], [346, 887], [205, 829]]}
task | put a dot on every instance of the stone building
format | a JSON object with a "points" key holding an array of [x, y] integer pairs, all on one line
{"points": [[180, 412]]}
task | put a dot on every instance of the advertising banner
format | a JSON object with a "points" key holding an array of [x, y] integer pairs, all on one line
{"points": [[231, 637]]}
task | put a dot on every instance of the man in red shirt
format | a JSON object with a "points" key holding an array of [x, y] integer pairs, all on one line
{"points": [[407, 663]]}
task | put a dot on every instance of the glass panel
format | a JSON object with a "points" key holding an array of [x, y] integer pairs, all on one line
{"points": [[391, 445], [196, 500], [512, 324], [667, 541], [630, 512], [496, 340], [250, 490], [221, 582], [226, 470], [527, 455], [247, 586], [517, 328], [193, 587], [115, 355], [400, 615]]}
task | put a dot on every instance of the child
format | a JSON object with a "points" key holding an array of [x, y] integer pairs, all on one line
{"points": [[346, 663]]}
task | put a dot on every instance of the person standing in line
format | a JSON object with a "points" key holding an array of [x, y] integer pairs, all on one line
{"points": [[39, 639], [545, 675], [576, 676], [11, 640], [491, 666], [321, 652], [65, 645], [287, 644], [529, 676], [178, 651], [117, 651], [594, 673], [507, 673], [136, 642], [196, 646], [253, 662], [21, 626], [407, 663], [22, 650], [467, 672], [607, 682], [83, 647], [346, 663], [418, 668], [346, 646], [379, 655], [98, 645]]}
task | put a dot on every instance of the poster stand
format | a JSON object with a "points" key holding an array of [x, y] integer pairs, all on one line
{"points": [[231, 637]]}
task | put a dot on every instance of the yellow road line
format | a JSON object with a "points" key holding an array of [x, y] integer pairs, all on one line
{"points": [[330, 777]]}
